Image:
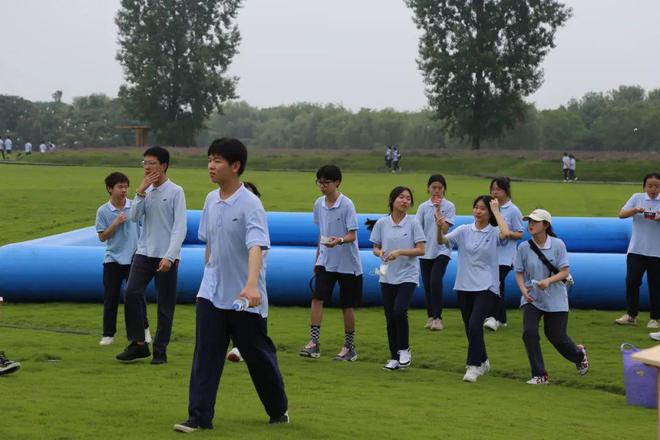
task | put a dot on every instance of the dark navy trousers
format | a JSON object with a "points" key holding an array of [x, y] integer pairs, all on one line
{"points": [[248, 331]]}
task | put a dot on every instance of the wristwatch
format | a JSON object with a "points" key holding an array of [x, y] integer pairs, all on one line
{"points": [[341, 240]]}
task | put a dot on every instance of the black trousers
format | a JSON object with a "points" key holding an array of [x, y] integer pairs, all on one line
{"points": [[113, 276], [143, 270], [396, 302], [499, 312], [475, 307], [248, 330], [554, 327], [636, 266], [433, 271], [566, 173]]}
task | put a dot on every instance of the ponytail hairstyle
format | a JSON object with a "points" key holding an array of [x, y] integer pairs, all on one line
{"points": [[549, 230]]}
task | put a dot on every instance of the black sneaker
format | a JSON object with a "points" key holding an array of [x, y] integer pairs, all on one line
{"points": [[189, 426], [284, 418], [159, 359], [7, 366], [134, 351]]}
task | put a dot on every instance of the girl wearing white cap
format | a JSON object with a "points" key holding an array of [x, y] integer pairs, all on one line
{"points": [[477, 277], [643, 250], [541, 266]]}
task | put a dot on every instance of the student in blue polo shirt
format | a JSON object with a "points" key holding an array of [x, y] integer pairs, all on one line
{"points": [[398, 240], [500, 188], [160, 206], [337, 260], [433, 263], [643, 250], [477, 276], [234, 227], [120, 234], [544, 295]]}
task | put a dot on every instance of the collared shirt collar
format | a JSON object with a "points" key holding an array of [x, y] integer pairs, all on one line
{"points": [[488, 227], [402, 223], [162, 187], [647, 197], [337, 202], [546, 245], [231, 199], [507, 204], [114, 208]]}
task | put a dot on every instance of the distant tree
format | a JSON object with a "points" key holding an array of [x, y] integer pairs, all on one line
{"points": [[57, 96], [479, 59], [175, 55]]}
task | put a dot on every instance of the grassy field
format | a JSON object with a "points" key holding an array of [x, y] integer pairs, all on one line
{"points": [[71, 388]]}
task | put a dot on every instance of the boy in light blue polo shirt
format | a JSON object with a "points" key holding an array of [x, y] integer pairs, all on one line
{"points": [[337, 260], [235, 230], [120, 235]]}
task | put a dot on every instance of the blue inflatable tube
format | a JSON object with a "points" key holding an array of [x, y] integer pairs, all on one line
{"points": [[32, 271], [581, 234]]}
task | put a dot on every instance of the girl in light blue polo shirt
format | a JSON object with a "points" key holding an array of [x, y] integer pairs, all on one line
{"points": [[398, 240], [477, 276], [544, 295], [643, 250], [433, 263], [500, 188]]}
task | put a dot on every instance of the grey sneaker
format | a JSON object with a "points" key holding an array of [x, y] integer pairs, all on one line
{"points": [[347, 355], [7, 366], [626, 319], [583, 365], [311, 350]]}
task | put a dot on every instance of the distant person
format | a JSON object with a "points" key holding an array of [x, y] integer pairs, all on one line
{"points": [[28, 148], [8, 147], [51, 146], [2, 148], [234, 227], [643, 250], [337, 260], [566, 165], [433, 263], [500, 188], [396, 159], [43, 147], [544, 295], [388, 157], [571, 168], [120, 233], [8, 366], [160, 205], [398, 240]]}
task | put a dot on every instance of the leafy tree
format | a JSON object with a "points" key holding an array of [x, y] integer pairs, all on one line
{"points": [[481, 57], [175, 55]]}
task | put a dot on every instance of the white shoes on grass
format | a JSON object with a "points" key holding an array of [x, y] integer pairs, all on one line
{"points": [[473, 372], [107, 340]]}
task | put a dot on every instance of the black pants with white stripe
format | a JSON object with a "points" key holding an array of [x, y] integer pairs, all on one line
{"points": [[248, 331]]}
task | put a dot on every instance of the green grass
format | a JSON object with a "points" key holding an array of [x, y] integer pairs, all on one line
{"points": [[71, 388], [43, 200]]}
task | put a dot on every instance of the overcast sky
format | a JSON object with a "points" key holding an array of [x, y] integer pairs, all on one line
{"points": [[359, 53]]}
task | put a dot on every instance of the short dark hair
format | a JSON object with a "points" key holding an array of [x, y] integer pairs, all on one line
{"points": [[159, 153], [653, 175], [486, 199], [115, 178], [437, 178], [396, 192], [329, 172], [230, 149], [252, 188], [502, 183]]}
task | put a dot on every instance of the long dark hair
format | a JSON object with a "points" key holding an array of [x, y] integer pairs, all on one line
{"points": [[396, 192], [549, 230], [486, 199], [503, 183], [252, 188]]}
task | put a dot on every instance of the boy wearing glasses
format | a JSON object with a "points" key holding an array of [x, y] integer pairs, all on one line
{"points": [[337, 260], [160, 205]]}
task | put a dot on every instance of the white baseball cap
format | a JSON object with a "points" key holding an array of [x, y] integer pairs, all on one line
{"points": [[539, 215]]}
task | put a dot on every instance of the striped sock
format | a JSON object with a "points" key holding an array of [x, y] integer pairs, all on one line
{"points": [[315, 333], [349, 340]]}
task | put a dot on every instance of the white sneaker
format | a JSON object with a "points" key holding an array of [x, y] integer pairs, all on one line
{"points": [[234, 355], [626, 319], [428, 323], [472, 373], [538, 380], [106, 340], [491, 324], [653, 323], [437, 325], [485, 367], [405, 358], [655, 336], [147, 336], [391, 365]]}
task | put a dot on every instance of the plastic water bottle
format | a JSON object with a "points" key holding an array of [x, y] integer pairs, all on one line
{"points": [[241, 304], [535, 285]]}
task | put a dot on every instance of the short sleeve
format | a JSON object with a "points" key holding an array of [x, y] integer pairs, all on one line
{"points": [[450, 216], [517, 221], [631, 203], [418, 233], [316, 213], [256, 226], [201, 230], [518, 265], [455, 237], [101, 221], [351, 219], [561, 255], [376, 233], [421, 211]]}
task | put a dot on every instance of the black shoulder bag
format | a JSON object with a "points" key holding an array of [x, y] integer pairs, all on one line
{"points": [[568, 282]]}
